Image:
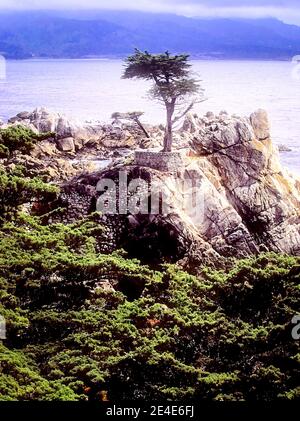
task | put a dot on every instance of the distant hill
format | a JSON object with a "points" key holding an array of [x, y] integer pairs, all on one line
{"points": [[86, 34]]}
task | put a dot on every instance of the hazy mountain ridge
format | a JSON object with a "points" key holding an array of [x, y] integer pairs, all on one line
{"points": [[76, 35]]}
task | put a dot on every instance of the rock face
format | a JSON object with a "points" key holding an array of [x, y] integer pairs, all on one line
{"points": [[260, 206], [229, 198]]}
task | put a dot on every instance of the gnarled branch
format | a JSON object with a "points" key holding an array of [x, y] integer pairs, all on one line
{"points": [[191, 105]]}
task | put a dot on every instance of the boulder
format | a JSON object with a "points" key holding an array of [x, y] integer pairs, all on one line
{"points": [[24, 115], [66, 144], [64, 128], [79, 144], [260, 123]]}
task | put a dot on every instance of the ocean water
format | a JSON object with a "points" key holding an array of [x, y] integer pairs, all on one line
{"points": [[93, 90]]}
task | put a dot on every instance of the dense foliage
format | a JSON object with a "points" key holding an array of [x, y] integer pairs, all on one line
{"points": [[83, 325], [219, 336], [18, 138], [17, 187]]}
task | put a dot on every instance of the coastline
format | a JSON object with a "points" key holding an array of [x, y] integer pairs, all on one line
{"points": [[123, 56]]}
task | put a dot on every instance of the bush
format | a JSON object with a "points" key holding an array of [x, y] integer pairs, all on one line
{"points": [[19, 138], [16, 189], [220, 336]]}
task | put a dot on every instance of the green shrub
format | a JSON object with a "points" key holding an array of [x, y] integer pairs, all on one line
{"points": [[221, 336], [18, 138], [17, 189]]}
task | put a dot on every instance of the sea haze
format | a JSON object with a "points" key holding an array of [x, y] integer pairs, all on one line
{"points": [[93, 90]]}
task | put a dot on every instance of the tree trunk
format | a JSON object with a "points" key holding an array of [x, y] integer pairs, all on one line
{"points": [[168, 139], [142, 127]]}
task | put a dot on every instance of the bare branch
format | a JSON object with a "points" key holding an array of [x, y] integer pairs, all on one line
{"points": [[188, 109]]}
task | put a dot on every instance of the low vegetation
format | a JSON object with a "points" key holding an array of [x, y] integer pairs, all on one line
{"points": [[18, 138], [87, 326]]}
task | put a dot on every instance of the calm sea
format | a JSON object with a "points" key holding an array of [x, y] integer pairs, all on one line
{"points": [[93, 90]]}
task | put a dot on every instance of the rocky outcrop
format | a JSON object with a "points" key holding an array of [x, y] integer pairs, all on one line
{"points": [[230, 198], [261, 201], [226, 196], [86, 138]]}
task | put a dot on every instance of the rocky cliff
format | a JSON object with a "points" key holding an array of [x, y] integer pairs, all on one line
{"points": [[247, 202], [253, 203]]}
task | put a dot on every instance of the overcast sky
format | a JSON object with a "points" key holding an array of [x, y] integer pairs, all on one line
{"points": [[287, 10]]}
